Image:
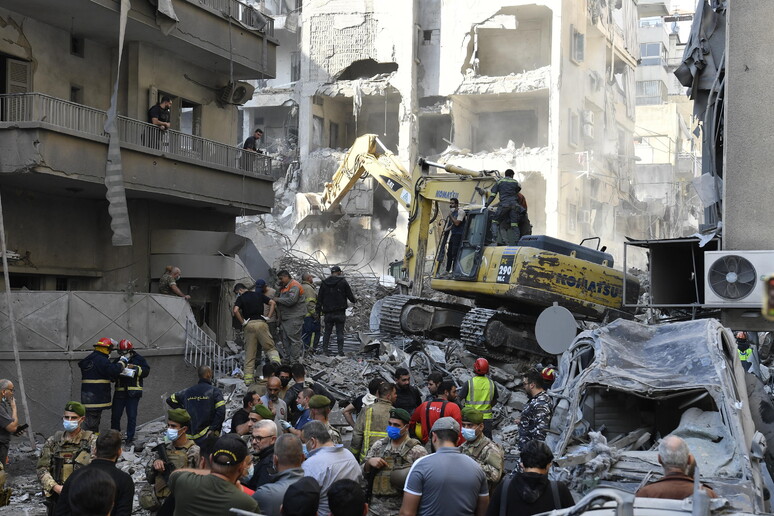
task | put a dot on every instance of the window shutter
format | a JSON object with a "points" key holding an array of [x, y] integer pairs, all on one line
{"points": [[19, 76]]}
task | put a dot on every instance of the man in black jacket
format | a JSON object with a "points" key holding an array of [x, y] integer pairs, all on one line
{"points": [[204, 403], [530, 492], [332, 301], [108, 451]]}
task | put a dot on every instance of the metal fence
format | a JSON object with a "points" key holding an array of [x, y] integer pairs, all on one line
{"points": [[200, 349], [63, 114]]}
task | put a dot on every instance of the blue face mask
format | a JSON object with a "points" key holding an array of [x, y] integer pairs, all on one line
{"points": [[300, 407], [306, 452], [469, 434], [248, 475], [393, 433], [69, 426], [172, 434]]}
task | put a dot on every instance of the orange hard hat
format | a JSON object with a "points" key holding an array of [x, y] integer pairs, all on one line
{"points": [[106, 342], [481, 366], [548, 374], [124, 345]]}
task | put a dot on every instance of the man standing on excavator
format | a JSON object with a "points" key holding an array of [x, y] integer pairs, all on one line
{"points": [[512, 208]]}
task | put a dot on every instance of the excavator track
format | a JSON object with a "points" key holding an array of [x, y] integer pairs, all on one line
{"points": [[392, 308], [500, 335], [409, 315]]}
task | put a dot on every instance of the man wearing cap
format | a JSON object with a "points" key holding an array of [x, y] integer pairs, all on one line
{"points": [[302, 499], [287, 459], [388, 461], [291, 308], [371, 424], [204, 403], [310, 333], [445, 482], [332, 301], [217, 492], [64, 452], [319, 409], [536, 416], [264, 435], [327, 462], [180, 451], [489, 455], [97, 374], [248, 310]]}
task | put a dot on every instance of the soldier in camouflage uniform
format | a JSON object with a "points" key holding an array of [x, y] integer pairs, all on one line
{"points": [[533, 424], [319, 409], [181, 452], [388, 461], [488, 454], [64, 452]]}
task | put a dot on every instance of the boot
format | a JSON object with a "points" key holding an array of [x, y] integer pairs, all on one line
{"points": [[249, 379], [5, 496]]}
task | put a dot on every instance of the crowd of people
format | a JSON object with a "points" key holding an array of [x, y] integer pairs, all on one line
{"points": [[281, 455]]}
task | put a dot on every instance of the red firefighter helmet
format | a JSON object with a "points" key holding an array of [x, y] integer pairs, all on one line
{"points": [[124, 345], [741, 335], [548, 374], [481, 366], [106, 342]]}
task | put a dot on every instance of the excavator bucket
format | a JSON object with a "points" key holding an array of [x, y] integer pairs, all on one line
{"points": [[309, 213]]}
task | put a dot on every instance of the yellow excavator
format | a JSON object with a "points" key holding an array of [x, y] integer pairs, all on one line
{"points": [[510, 285]]}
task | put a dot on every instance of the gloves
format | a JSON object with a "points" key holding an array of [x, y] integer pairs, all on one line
{"points": [[285, 425], [124, 359], [244, 323]]}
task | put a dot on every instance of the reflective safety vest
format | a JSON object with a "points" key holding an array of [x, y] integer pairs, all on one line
{"points": [[370, 435], [745, 355], [480, 395]]}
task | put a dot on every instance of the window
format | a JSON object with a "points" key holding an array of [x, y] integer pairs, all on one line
{"points": [[333, 136], [427, 36], [652, 54], [652, 21], [295, 66], [76, 94], [574, 129], [77, 46], [651, 92], [577, 45]]}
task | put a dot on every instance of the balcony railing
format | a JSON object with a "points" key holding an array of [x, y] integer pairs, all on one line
{"points": [[37, 109], [243, 12]]}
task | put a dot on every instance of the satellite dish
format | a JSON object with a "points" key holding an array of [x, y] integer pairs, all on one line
{"points": [[555, 329]]}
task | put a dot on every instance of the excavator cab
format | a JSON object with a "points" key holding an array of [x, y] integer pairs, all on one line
{"points": [[474, 238]]}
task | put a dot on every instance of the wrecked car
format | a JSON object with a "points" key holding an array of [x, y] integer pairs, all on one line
{"points": [[624, 386]]}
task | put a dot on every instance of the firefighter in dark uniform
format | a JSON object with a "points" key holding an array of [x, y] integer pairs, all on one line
{"points": [[128, 389], [204, 403], [511, 211], [64, 452], [97, 373]]}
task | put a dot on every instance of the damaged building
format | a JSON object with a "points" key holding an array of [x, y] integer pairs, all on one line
{"points": [[544, 88], [85, 263]]}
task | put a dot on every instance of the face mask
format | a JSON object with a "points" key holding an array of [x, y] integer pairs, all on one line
{"points": [[469, 433], [69, 426], [172, 434], [305, 450], [248, 475], [300, 407], [284, 381], [393, 433]]}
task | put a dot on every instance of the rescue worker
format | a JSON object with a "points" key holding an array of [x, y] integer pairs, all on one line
{"points": [[443, 405], [180, 452], [489, 455], [291, 309], [480, 393], [310, 333], [536, 416], [371, 424], [248, 311], [97, 373], [454, 227], [332, 302], [319, 409], [64, 452], [744, 349], [388, 461], [549, 376], [509, 210], [128, 390], [204, 403], [300, 383]]}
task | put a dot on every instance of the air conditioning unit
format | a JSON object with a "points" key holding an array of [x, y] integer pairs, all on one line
{"points": [[236, 93], [733, 278]]}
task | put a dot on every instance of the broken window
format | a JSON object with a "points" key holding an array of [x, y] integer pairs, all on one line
{"points": [[433, 131], [496, 129]]}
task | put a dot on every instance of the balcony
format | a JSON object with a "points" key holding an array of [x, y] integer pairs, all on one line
{"points": [[218, 34], [67, 141]]}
